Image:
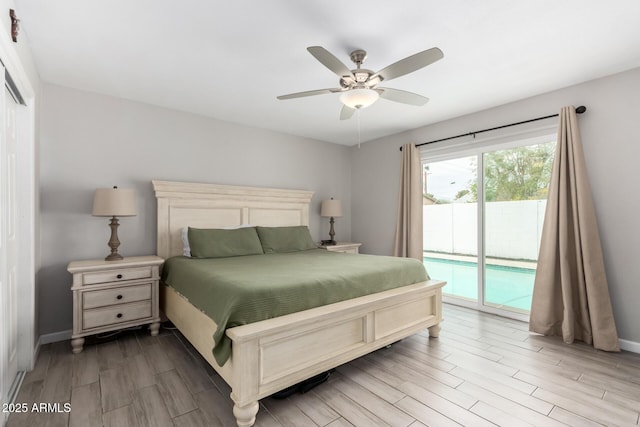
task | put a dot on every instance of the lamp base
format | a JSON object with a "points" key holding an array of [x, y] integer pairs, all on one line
{"points": [[331, 233], [114, 257], [113, 241], [328, 242]]}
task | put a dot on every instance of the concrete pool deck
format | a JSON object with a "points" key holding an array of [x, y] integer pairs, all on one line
{"points": [[502, 262]]}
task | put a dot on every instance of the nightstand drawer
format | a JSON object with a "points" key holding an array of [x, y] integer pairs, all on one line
{"points": [[115, 314], [344, 247], [350, 251], [116, 275], [121, 295]]}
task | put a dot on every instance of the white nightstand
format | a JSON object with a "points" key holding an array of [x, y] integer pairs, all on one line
{"points": [[346, 247], [111, 295]]}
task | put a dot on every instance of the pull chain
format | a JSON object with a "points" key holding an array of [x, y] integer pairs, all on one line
{"points": [[358, 118]]}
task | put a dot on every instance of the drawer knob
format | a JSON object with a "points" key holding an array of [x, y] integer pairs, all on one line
{"points": [[119, 315], [119, 276], [119, 297]]}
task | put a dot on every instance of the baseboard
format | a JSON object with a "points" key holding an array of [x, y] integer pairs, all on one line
{"points": [[54, 337], [629, 346]]}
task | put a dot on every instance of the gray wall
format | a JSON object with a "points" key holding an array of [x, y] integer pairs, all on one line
{"points": [[90, 141], [611, 138]]}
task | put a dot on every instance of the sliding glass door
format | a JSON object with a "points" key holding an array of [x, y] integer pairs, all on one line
{"points": [[450, 225], [516, 181], [483, 217]]}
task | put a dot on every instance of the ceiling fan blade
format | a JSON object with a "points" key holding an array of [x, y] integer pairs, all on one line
{"points": [[404, 97], [410, 64], [346, 113], [308, 93], [327, 59]]}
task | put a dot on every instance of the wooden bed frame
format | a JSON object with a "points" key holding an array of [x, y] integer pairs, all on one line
{"points": [[273, 354]]}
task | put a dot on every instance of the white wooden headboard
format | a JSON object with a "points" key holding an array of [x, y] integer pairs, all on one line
{"points": [[183, 204]]}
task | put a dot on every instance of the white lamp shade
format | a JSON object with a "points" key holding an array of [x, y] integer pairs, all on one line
{"points": [[359, 98], [331, 208], [114, 202]]}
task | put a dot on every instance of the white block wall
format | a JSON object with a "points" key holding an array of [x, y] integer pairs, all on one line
{"points": [[513, 229]]}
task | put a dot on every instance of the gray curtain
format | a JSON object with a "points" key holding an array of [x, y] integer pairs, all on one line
{"points": [[408, 238], [571, 295]]}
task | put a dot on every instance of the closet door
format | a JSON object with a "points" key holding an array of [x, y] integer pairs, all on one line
{"points": [[8, 250]]}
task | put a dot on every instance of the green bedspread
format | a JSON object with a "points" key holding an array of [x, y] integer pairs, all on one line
{"points": [[240, 290]]}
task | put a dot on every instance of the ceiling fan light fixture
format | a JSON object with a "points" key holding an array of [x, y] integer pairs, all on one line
{"points": [[359, 98]]}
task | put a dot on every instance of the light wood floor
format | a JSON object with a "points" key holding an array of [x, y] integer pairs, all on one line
{"points": [[483, 370]]}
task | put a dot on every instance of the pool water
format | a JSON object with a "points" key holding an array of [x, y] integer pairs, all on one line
{"points": [[504, 286]]}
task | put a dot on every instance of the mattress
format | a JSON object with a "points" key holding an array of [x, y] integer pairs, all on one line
{"points": [[240, 290]]}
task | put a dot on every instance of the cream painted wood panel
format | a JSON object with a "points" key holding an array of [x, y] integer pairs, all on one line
{"points": [[116, 314], [182, 204], [117, 275], [273, 354], [119, 295]]}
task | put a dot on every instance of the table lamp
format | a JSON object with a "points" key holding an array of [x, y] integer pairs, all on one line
{"points": [[333, 209], [114, 202]]}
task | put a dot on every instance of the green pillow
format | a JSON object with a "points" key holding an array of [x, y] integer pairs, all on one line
{"points": [[220, 243], [285, 239]]}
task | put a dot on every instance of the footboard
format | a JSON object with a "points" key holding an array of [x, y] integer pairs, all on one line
{"points": [[273, 354]]}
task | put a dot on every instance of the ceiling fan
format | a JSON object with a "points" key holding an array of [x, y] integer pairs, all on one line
{"points": [[359, 87]]}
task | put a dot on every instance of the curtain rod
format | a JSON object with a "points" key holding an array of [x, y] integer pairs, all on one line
{"points": [[581, 109]]}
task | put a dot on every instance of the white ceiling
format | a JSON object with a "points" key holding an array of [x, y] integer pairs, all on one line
{"points": [[230, 59]]}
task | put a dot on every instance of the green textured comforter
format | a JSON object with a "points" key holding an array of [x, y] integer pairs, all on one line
{"points": [[240, 290]]}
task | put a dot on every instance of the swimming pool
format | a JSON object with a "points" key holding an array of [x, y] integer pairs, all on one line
{"points": [[504, 287]]}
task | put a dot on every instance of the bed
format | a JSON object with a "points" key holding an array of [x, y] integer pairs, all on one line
{"points": [[270, 355]]}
